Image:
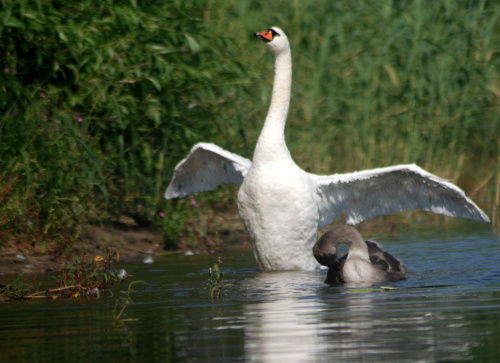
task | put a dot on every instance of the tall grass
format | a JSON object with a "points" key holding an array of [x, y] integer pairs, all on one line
{"points": [[100, 100], [412, 84]]}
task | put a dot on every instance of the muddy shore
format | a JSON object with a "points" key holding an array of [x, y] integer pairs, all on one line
{"points": [[130, 242]]}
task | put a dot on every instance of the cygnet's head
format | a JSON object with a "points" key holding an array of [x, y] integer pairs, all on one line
{"points": [[325, 252], [275, 39], [325, 249]]}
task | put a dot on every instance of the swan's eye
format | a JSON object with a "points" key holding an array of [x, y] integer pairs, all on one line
{"points": [[273, 32]]}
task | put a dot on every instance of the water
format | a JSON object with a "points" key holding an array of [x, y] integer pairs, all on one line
{"points": [[448, 309]]}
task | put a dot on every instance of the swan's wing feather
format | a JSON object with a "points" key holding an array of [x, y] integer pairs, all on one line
{"points": [[367, 194], [206, 166]]}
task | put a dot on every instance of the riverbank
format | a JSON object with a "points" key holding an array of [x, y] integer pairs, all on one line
{"points": [[130, 242]]}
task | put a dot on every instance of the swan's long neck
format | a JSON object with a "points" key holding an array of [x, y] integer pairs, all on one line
{"points": [[271, 144]]}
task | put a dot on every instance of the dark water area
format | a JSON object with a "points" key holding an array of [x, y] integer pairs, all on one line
{"points": [[448, 309]]}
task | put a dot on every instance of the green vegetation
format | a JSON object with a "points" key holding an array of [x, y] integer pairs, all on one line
{"points": [[121, 305], [86, 278], [215, 279], [100, 100]]}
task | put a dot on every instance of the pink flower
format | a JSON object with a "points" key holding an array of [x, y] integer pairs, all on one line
{"points": [[162, 214], [193, 202], [42, 95], [6, 69], [80, 119]]}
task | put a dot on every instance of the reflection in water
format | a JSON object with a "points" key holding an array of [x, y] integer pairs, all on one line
{"points": [[297, 324], [282, 329]]}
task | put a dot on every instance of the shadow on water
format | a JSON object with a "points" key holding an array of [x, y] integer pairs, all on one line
{"points": [[448, 309]]}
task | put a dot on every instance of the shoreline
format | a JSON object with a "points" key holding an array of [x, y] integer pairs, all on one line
{"points": [[129, 242]]}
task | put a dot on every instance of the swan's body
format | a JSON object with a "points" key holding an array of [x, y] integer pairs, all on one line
{"points": [[365, 262], [268, 199], [282, 206]]}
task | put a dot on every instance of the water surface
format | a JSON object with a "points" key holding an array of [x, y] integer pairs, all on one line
{"points": [[448, 309]]}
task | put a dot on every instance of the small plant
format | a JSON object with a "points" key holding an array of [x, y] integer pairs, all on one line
{"points": [[118, 311], [215, 278], [17, 289], [89, 277]]}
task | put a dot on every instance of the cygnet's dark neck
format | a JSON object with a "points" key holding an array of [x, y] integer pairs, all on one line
{"points": [[326, 247]]}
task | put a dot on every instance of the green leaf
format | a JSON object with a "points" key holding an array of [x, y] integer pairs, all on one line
{"points": [[160, 49], [193, 45], [155, 83]]}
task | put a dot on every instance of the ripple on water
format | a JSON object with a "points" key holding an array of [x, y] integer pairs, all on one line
{"points": [[447, 309]]}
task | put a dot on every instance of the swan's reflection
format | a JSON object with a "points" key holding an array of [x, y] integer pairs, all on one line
{"points": [[282, 329], [300, 319]]}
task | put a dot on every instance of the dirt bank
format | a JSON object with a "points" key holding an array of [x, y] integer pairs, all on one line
{"points": [[130, 242]]}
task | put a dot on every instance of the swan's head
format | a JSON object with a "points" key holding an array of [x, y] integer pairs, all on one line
{"points": [[275, 39]]}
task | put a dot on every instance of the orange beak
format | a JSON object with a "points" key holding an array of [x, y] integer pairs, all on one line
{"points": [[265, 35]]}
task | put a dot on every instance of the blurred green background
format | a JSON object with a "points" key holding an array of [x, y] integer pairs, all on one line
{"points": [[100, 100]]}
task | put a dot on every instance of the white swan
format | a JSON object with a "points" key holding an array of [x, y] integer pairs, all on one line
{"points": [[282, 206], [365, 262]]}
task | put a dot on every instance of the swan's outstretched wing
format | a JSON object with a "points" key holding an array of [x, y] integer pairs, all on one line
{"points": [[205, 167], [370, 193]]}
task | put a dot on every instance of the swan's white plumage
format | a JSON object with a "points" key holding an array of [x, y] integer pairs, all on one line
{"points": [[206, 166], [370, 193], [283, 206]]}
